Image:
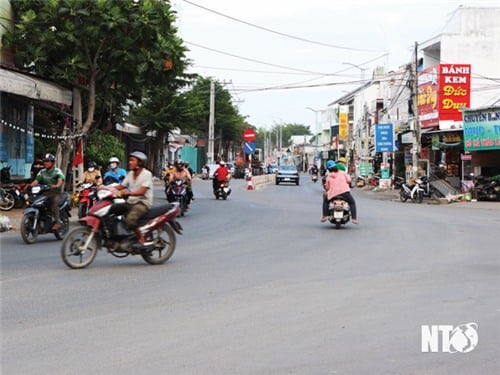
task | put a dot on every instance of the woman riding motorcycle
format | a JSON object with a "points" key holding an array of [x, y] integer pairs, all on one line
{"points": [[337, 184]]}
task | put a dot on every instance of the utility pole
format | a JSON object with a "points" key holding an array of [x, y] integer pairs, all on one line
{"points": [[211, 123], [415, 149]]}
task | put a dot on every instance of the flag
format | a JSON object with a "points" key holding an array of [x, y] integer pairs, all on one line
{"points": [[79, 154]]}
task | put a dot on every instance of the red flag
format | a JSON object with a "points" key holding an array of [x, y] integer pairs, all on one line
{"points": [[78, 155]]}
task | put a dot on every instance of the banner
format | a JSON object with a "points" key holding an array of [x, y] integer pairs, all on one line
{"points": [[454, 84], [79, 154], [343, 122], [481, 129]]}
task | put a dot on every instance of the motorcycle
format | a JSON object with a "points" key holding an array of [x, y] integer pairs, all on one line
{"points": [[104, 227], [86, 198], [177, 192], [37, 218], [222, 190], [487, 189], [413, 192], [11, 195], [314, 177], [339, 212]]}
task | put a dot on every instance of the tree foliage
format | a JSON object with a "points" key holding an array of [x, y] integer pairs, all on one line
{"points": [[108, 49], [101, 146]]}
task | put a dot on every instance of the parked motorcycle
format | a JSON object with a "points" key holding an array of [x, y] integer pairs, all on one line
{"points": [[7, 200], [339, 212], [177, 192], [86, 198], [104, 227], [413, 192], [37, 218], [222, 189], [11, 195], [487, 189]]}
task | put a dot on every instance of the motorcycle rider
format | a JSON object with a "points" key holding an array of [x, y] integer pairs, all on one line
{"points": [[221, 174], [53, 177], [115, 173], [341, 162], [91, 175], [138, 187], [168, 171], [181, 173], [337, 184], [36, 167]]}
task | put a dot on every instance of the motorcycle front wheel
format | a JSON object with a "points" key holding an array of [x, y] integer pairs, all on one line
{"points": [[7, 202], [74, 253], [163, 247], [420, 197], [29, 232]]}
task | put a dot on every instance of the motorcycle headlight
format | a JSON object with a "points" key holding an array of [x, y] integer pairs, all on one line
{"points": [[35, 189]]}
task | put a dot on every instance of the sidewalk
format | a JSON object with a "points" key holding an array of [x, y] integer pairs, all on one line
{"points": [[393, 195]]}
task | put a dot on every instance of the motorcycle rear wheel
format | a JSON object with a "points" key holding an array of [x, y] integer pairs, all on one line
{"points": [[28, 233], [83, 210], [72, 253], [7, 202], [64, 228], [402, 196], [164, 249]]}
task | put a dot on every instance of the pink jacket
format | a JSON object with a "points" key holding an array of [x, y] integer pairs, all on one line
{"points": [[337, 183]]}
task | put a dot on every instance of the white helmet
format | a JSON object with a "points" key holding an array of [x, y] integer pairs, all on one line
{"points": [[114, 159], [222, 162]]}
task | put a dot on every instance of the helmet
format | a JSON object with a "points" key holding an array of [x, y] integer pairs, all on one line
{"points": [[222, 162], [114, 159], [330, 164], [342, 160], [92, 164], [141, 156], [49, 157], [178, 164]]}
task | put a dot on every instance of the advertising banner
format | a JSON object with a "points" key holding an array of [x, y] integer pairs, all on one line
{"points": [[343, 122], [481, 129], [427, 97], [454, 88]]}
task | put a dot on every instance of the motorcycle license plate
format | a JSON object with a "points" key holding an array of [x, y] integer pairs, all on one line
{"points": [[338, 214], [287, 179]]}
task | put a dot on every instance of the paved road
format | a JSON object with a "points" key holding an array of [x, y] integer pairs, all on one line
{"points": [[259, 286]]}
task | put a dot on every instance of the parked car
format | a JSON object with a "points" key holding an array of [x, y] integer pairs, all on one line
{"points": [[230, 165], [287, 173]]}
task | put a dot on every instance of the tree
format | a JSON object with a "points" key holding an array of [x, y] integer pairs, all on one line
{"points": [[99, 48]]}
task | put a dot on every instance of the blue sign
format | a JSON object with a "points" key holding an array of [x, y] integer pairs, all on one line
{"points": [[384, 138], [249, 147]]}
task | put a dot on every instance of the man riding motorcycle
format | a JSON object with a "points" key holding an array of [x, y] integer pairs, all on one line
{"points": [[54, 178], [221, 174], [181, 173], [138, 187], [115, 173]]}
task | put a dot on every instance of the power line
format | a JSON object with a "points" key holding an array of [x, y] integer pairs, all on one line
{"points": [[280, 33]]}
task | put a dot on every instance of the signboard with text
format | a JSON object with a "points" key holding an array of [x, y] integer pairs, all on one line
{"points": [[384, 137], [482, 129], [343, 122]]}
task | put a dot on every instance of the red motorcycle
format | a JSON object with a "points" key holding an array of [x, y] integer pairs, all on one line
{"points": [[86, 198], [104, 227]]}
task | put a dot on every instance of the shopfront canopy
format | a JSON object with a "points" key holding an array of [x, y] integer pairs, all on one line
{"points": [[34, 88]]}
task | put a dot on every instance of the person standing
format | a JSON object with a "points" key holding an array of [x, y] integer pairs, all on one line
{"points": [[53, 177]]}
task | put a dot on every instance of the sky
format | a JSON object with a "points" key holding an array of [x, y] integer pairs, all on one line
{"points": [[284, 60]]}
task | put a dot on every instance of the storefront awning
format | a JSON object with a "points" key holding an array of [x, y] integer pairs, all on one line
{"points": [[34, 88]]}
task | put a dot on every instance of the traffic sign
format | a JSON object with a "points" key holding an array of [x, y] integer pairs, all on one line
{"points": [[249, 147], [249, 135]]}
